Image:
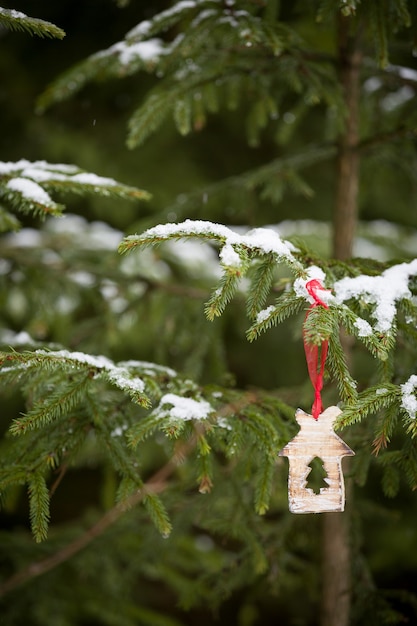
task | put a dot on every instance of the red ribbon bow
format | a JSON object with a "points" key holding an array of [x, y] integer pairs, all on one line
{"points": [[315, 371]]}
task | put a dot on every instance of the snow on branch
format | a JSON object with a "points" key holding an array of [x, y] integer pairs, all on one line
{"points": [[409, 399], [381, 292], [237, 251], [177, 407], [94, 366], [260, 241], [26, 186], [139, 50], [16, 20], [261, 250]]}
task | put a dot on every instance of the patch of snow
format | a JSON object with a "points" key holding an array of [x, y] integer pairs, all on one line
{"points": [[397, 98], [99, 362], [89, 236], [229, 257], [381, 391], [101, 236], [118, 431], [263, 239], [82, 278], [86, 178], [264, 314], [141, 30], [41, 171], [372, 84], [10, 167], [149, 50], [313, 273], [13, 13], [25, 238], [65, 304], [109, 290], [382, 291], [118, 305], [151, 367], [409, 400], [11, 338], [204, 15], [363, 327], [29, 190], [222, 422], [122, 378], [117, 374], [68, 224], [405, 72], [268, 241], [185, 408]]}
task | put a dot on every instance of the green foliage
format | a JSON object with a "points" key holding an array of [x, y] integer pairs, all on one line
{"points": [[371, 401], [39, 506], [25, 187], [209, 64], [16, 20]]}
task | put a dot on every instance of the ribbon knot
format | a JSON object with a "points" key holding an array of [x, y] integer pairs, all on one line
{"points": [[314, 364], [313, 286]]}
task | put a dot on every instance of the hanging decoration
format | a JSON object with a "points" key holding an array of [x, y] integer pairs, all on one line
{"points": [[316, 438]]}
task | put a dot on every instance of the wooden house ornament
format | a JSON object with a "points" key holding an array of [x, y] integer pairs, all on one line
{"points": [[316, 439]]}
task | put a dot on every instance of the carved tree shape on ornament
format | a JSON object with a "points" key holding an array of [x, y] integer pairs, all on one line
{"points": [[316, 438], [316, 478]]}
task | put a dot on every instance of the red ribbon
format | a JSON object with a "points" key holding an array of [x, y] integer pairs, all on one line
{"points": [[316, 371]]}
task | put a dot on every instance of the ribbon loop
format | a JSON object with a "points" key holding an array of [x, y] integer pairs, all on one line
{"points": [[314, 364]]}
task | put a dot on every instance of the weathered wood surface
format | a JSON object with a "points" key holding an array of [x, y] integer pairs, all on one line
{"points": [[316, 438]]}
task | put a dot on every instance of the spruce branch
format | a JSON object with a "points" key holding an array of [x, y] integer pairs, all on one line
{"points": [[379, 344], [156, 484], [383, 19], [260, 286], [26, 186], [237, 253], [65, 362], [385, 427], [338, 366], [222, 295], [59, 402], [287, 305], [39, 505], [123, 58], [369, 401], [157, 512], [149, 117], [205, 465], [143, 429], [16, 20], [263, 486]]}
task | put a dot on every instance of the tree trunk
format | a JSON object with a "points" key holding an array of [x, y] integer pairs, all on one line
{"points": [[336, 564], [346, 207], [336, 576]]}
